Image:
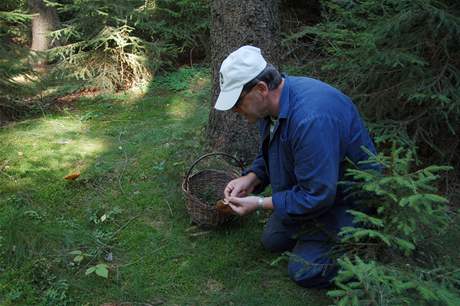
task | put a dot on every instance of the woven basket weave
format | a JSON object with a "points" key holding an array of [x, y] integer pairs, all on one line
{"points": [[205, 187]]}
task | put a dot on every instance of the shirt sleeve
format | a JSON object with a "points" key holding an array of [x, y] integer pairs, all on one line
{"points": [[259, 169], [315, 144]]}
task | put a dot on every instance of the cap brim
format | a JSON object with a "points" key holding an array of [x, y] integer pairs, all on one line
{"points": [[227, 99]]}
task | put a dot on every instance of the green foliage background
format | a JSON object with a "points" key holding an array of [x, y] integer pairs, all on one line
{"points": [[109, 45], [399, 62], [113, 44], [13, 55]]}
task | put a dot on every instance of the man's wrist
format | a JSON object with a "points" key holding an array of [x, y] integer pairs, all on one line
{"points": [[254, 180], [260, 203]]}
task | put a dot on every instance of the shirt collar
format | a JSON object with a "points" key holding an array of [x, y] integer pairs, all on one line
{"points": [[284, 98]]}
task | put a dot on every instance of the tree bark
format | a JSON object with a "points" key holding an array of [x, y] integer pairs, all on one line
{"points": [[45, 21], [234, 24]]}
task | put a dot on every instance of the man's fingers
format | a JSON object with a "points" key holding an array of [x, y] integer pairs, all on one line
{"points": [[228, 190], [236, 209], [233, 202], [234, 192], [242, 193]]}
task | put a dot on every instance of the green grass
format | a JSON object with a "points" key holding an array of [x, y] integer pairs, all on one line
{"points": [[132, 151]]}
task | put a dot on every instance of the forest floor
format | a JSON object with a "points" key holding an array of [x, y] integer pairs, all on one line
{"points": [[125, 214]]}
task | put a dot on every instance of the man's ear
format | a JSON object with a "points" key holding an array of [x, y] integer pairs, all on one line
{"points": [[262, 87]]}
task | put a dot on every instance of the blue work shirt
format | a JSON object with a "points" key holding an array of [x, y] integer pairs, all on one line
{"points": [[317, 128]]}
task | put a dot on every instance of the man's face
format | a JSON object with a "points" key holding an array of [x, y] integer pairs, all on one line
{"points": [[252, 105]]}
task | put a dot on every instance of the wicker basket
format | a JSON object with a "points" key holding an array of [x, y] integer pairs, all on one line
{"points": [[205, 187]]}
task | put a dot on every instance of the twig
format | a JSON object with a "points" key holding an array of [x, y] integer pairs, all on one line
{"points": [[191, 228], [169, 206], [190, 56], [124, 166], [131, 263], [142, 257], [199, 233], [123, 227]]}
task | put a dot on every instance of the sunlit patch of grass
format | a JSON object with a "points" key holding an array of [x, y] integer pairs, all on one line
{"points": [[49, 145], [179, 108]]}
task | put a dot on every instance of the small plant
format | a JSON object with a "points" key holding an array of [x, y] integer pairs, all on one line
{"points": [[405, 205], [104, 238], [396, 212], [101, 270], [57, 294], [104, 217], [362, 282], [180, 79], [79, 256]]}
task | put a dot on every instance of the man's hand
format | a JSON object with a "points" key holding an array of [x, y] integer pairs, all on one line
{"points": [[243, 206], [241, 186]]}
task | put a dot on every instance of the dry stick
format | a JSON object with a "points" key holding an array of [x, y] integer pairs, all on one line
{"points": [[142, 257], [199, 233], [138, 303], [122, 172], [190, 55], [124, 166], [169, 206], [123, 226]]}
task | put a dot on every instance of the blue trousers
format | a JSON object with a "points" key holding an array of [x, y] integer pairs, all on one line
{"points": [[311, 263]]}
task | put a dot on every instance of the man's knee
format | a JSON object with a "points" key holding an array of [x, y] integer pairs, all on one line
{"points": [[276, 237], [275, 243]]}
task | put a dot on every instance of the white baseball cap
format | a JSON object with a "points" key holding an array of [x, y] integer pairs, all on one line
{"points": [[240, 67]]}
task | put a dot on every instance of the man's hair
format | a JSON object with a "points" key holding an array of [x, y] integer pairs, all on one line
{"points": [[270, 75]]}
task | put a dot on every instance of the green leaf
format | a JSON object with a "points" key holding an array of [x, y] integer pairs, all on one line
{"points": [[78, 258], [345, 301], [336, 293], [405, 245], [102, 270], [90, 270], [435, 198]]}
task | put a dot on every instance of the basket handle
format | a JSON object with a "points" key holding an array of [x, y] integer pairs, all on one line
{"points": [[239, 162]]}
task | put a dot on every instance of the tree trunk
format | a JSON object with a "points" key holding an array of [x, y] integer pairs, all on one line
{"points": [[234, 24], [45, 21]]}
